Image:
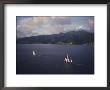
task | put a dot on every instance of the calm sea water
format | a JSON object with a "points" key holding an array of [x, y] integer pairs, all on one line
{"points": [[50, 59]]}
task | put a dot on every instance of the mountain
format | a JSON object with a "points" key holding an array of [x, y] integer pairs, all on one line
{"points": [[72, 37]]}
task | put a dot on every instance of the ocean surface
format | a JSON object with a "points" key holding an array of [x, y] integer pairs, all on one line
{"points": [[49, 59]]}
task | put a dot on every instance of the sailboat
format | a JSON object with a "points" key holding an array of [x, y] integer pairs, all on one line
{"points": [[33, 53], [67, 60]]}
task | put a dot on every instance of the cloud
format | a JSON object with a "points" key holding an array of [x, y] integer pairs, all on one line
{"points": [[33, 26], [91, 22]]}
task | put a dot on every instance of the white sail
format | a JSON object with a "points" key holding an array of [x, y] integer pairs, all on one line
{"points": [[67, 59], [34, 53]]}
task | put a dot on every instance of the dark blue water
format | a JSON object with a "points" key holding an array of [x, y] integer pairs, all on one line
{"points": [[50, 59]]}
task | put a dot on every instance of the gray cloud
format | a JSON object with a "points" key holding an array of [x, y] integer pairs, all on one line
{"points": [[33, 26]]}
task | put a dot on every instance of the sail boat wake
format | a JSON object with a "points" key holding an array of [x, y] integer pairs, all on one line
{"points": [[67, 60]]}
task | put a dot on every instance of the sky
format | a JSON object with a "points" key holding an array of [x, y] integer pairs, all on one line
{"points": [[27, 26]]}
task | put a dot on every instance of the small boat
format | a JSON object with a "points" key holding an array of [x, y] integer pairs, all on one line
{"points": [[67, 60], [34, 53]]}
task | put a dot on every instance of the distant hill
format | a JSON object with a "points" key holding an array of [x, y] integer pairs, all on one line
{"points": [[72, 37]]}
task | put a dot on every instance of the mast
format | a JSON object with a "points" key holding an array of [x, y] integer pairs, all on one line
{"points": [[67, 56]]}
